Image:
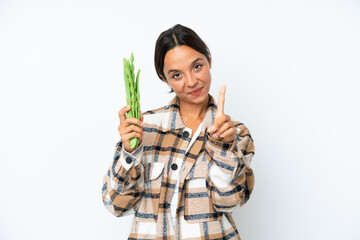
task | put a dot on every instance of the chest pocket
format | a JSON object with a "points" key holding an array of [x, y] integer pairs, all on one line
{"points": [[148, 207], [198, 205]]}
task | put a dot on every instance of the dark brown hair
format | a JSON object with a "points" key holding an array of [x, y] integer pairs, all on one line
{"points": [[176, 36]]}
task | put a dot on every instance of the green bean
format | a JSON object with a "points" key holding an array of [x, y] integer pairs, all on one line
{"points": [[132, 93]]}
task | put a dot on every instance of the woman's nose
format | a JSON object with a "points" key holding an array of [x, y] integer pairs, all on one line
{"points": [[191, 80]]}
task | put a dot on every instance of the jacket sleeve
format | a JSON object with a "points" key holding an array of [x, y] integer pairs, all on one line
{"points": [[230, 180], [123, 183]]}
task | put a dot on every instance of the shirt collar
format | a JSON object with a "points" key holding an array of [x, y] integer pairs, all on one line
{"points": [[175, 121]]}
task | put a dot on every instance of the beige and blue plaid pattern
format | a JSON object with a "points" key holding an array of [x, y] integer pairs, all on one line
{"points": [[214, 179]]}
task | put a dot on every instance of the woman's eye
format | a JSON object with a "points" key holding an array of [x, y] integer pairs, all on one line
{"points": [[197, 66], [176, 75]]}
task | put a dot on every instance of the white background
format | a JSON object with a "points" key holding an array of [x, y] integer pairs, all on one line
{"points": [[292, 76]]}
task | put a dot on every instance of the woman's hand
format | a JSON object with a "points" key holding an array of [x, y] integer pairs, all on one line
{"points": [[128, 130], [223, 128]]}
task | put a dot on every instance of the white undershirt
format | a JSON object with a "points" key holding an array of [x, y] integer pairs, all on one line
{"points": [[174, 198]]}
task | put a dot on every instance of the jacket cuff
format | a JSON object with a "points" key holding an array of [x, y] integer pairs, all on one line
{"points": [[127, 159], [223, 154]]}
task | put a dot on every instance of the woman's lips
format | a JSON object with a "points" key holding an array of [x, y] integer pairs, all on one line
{"points": [[196, 92]]}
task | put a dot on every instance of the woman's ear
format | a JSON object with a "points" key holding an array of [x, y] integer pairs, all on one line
{"points": [[167, 82]]}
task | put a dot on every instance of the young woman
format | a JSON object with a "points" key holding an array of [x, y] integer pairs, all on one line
{"points": [[191, 168]]}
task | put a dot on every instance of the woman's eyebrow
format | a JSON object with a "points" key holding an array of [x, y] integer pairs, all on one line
{"points": [[174, 70]]}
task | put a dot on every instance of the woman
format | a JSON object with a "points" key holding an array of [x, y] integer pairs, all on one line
{"points": [[191, 168]]}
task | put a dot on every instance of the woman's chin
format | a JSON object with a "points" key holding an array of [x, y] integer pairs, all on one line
{"points": [[198, 99]]}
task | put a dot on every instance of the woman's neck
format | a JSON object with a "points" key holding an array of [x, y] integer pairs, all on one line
{"points": [[193, 112]]}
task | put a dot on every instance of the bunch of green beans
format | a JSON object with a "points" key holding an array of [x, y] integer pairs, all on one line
{"points": [[132, 93]]}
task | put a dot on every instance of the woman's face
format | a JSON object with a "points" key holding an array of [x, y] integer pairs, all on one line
{"points": [[188, 73]]}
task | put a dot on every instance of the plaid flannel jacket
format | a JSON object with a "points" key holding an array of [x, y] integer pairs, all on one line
{"points": [[214, 178]]}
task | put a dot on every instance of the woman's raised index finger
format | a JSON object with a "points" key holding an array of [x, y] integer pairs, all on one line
{"points": [[221, 100]]}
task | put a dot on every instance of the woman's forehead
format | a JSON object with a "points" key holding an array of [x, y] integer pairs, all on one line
{"points": [[181, 56]]}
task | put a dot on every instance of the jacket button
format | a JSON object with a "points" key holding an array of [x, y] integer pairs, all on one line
{"points": [[174, 166], [186, 134], [128, 160]]}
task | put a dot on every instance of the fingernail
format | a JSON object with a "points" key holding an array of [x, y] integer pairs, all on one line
{"points": [[215, 135], [212, 128], [222, 135]]}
